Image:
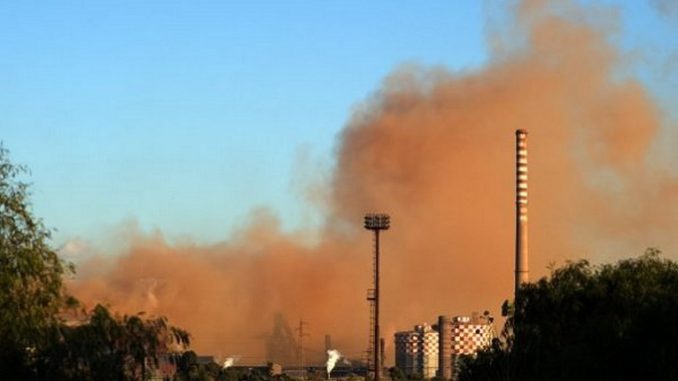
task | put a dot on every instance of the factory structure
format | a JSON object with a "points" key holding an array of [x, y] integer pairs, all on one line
{"points": [[428, 350], [434, 350], [416, 351]]}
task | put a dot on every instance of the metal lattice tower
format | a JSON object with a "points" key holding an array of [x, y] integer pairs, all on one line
{"points": [[369, 354], [300, 341], [281, 346], [375, 223]]}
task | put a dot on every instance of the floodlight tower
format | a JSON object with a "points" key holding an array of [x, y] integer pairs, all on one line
{"points": [[376, 223]]}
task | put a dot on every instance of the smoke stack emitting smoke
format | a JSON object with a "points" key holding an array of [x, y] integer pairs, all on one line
{"points": [[333, 356], [436, 150]]}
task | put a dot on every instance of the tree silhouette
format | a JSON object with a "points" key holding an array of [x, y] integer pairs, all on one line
{"points": [[585, 322], [30, 275], [107, 347], [36, 343]]}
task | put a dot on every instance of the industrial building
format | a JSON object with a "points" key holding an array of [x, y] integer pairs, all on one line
{"points": [[456, 336], [417, 351], [430, 351], [461, 335]]}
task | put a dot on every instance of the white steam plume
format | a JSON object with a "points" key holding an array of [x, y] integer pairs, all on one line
{"points": [[333, 356], [230, 361]]}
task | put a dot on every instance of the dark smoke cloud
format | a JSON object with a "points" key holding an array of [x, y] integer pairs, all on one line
{"points": [[435, 150]]}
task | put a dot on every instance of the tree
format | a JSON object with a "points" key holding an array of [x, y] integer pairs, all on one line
{"points": [[35, 342], [396, 374], [106, 347], [187, 365], [585, 322], [31, 290]]}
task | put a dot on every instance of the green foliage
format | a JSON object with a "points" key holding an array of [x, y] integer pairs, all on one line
{"points": [[30, 274], [109, 348], [188, 369], [397, 374], [611, 322], [35, 342]]}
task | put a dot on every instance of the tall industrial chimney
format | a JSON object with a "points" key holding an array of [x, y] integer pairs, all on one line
{"points": [[521, 209]]}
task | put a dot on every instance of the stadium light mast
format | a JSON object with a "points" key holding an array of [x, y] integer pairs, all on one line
{"points": [[376, 222]]}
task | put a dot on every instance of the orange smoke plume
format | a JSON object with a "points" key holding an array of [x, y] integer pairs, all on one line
{"points": [[435, 150]]}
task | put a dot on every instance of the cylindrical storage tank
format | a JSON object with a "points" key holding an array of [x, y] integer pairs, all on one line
{"points": [[444, 347]]}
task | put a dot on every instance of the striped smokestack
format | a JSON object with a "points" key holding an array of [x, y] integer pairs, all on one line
{"points": [[521, 209]]}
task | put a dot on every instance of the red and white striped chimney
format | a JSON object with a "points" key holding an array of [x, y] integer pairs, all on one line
{"points": [[521, 209]]}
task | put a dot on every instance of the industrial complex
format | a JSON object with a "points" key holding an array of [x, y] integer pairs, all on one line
{"points": [[428, 350], [433, 350]]}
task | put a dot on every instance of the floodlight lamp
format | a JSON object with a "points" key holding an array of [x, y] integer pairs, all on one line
{"points": [[377, 221]]}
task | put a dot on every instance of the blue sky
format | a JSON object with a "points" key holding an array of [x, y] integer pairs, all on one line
{"points": [[185, 115]]}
